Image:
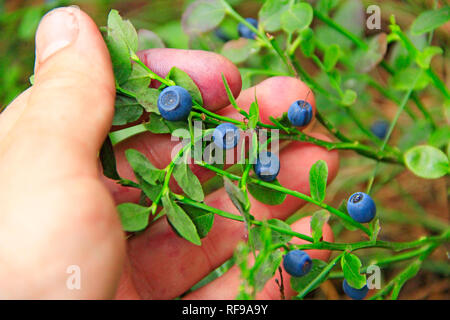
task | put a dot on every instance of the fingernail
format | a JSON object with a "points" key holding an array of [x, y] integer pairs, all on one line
{"points": [[57, 30]]}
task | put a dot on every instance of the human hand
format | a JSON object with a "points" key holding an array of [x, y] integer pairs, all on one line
{"points": [[56, 208]]}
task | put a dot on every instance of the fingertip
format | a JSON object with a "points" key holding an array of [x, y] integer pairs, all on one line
{"points": [[205, 68]]}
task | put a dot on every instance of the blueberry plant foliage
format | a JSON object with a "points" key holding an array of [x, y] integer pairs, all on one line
{"points": [[345, 58]]}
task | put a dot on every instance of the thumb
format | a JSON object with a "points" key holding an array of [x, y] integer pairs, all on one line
{"points": [[73, 94]]}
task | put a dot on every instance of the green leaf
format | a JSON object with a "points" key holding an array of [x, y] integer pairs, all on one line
{"points": [[133, 217], [182, 79], [29, 22], [331, 57], [429, 20], [318, 175], [124, 30], [366, 60], [351, 266], [424, 58], [188, 182], [138, 80], [403, 79], [121, 39], [126, 110], [180, 220], [349, 97], [202, 16], [239, 50], [318, 219], [148, 98], [297, 18], [253, 115], [143, 167], [375, 229], [202, 219], [266, 195], [427, 162], [149, 40], [299, 283], [267, 269], [276, 236], [151, 191], [237, 196], [270, 14], [324, 6], [120, 57], [108, 160], [308, 42], [440, 137], [157, 124]]}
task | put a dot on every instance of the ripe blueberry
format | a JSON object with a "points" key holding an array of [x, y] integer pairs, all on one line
{"points": [[356, 294], [174, 103], [380, 128], [297, 263], [226, 136], [245, 31], [300, 113], [361, 207], [267, 166]]}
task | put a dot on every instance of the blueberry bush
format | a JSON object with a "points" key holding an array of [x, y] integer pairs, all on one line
{"points": [[353, 72]]}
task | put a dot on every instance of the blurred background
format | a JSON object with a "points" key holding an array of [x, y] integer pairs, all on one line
{"points": [[409, 207]]}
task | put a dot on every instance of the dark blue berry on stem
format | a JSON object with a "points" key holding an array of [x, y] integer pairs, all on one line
{"points": [[300, 113], [297, 263], [226, 136], [245, 31], [356, 294], [361, 207], [267, 166], [380, 128], [174, 103]]}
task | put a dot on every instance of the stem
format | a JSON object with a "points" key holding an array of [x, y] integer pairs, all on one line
{"points": [[319, 279], [152, 75], [296, 194]]}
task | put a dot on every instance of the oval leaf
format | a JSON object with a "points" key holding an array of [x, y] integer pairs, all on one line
{"points": [[188, 182], [133, 217], [297, 18], [427, 162], [318, 175], [182, 79], [202, 16], [180, 220], [351, 266], [318, 219], [266, 195], [430, 20]]}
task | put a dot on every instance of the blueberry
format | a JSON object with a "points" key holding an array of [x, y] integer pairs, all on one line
{"points": [[226, 136], [361, 207], [267, 166], [300, 113], [356, 294], [245, 32], [174, 103], [380, 128], [297, 263]]}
